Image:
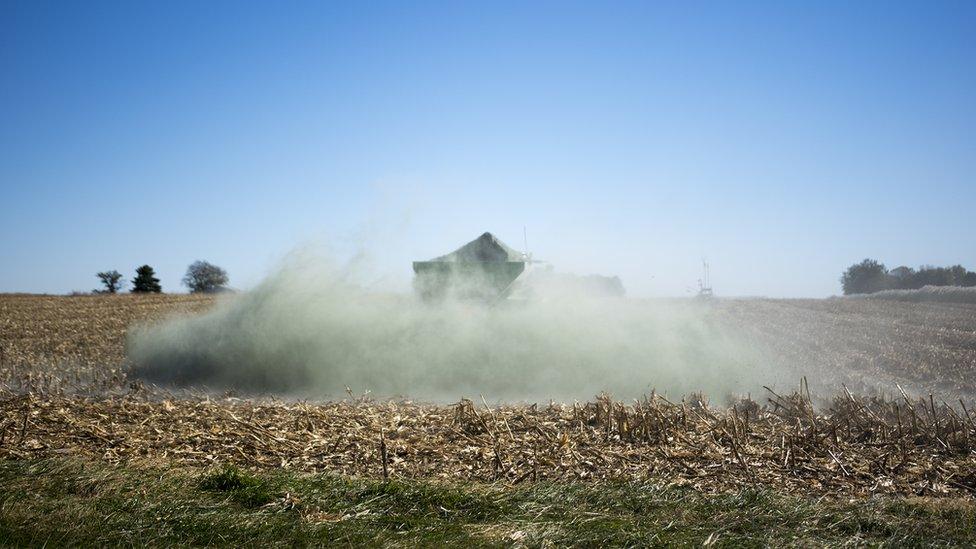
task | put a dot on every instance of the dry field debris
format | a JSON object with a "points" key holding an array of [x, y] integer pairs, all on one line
{"points": [[858, 447], [852, 446]]}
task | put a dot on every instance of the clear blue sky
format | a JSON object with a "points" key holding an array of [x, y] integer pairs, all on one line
{"points": [[784, 141]]}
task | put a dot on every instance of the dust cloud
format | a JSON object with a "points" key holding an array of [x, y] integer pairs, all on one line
{"points": [[311, 330]]}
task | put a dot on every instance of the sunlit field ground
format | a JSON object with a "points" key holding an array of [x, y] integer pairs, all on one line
{"points": [[873, 443]]}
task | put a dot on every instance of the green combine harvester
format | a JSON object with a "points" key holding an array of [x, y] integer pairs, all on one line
{"points": [[484, 269]]}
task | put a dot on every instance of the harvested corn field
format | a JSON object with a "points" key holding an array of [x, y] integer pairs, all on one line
{"points": [[67, 390], [886, 463], [856, 448], [78, 342], [868, 346], [85, 330], [865, 344]]}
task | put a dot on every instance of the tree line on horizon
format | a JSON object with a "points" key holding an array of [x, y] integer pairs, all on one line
{"points": [[200, 277], [870, 276]]}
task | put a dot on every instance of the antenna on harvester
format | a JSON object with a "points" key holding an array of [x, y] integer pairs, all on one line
{"points": [[525, 240]]}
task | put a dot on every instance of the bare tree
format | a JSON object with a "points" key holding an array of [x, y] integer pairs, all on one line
{"points": [[204, 277], [112, 281]]}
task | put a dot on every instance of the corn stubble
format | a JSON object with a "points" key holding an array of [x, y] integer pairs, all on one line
{"points": [[64, 390]]}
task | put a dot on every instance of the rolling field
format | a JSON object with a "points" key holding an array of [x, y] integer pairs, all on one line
{"points": [[877, 444]]}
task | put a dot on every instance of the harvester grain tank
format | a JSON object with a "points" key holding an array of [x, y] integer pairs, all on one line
{"points": [[483, 269]]}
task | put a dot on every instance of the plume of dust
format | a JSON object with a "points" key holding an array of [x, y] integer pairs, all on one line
{"points": [[310, 330]]}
